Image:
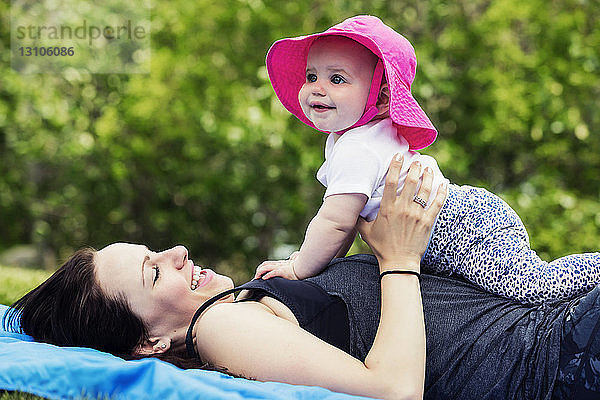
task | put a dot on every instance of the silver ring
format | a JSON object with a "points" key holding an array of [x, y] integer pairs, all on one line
{"points": [[420, 201]]}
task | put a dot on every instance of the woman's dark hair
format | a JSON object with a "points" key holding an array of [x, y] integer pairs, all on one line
{"points": [[70, 309]]}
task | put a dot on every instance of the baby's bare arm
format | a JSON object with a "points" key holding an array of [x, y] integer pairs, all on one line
{"points": [[327, 232], [325, 236], [348, 242]]}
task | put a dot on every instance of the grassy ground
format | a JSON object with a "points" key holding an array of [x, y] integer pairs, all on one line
{"points": [[27, 396], [18, 396], [15, 282]]}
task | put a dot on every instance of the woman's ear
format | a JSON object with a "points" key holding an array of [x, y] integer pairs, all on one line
{"points": [[153, 346], [383, 100]]}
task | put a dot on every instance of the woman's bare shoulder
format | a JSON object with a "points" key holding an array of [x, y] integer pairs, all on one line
{"points": [[249, 339], [221, 315]]}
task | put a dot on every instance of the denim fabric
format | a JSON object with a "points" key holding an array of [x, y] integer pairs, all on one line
{"points": [[579, 364]]}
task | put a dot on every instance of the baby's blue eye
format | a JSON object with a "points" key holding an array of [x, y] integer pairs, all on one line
{"points": [[337, 79], [311, 78]]}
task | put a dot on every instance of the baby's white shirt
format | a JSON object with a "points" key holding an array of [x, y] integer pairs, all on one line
{"points": [[358, 161]]}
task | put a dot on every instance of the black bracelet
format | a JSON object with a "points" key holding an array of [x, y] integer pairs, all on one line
{"points": [[399, 271]]}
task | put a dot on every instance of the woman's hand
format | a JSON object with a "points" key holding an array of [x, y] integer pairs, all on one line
{"points": [[400, 233]]}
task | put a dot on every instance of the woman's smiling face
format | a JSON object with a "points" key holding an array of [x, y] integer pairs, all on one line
{"points": [[164, 289]]}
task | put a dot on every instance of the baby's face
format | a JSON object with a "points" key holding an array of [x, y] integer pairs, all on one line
{"points": [[339, 72]]}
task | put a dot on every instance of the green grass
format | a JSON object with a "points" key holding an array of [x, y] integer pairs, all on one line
{"points": [[4, 395], [15, 282], [18, 396]]}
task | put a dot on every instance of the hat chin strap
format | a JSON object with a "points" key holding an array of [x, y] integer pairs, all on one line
{"points": [[371, 109]]}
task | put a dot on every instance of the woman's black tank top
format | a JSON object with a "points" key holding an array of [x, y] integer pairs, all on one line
{"points": [[322, 314], [479, 346]]}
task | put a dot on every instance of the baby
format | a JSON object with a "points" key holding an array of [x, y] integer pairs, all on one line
{"points": [[353, 81]]}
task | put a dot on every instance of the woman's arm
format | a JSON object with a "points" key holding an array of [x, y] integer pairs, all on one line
{"points": [[398, 238], [251, 340]]}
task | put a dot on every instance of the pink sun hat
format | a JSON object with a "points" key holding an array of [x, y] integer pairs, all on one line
{"points": [[286, 66]]}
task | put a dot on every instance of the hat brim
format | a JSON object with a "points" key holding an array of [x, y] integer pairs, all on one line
{"points": [[286, 67], [408, 116]]}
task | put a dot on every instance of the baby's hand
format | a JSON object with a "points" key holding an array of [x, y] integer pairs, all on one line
{"points": [[282, 268]]}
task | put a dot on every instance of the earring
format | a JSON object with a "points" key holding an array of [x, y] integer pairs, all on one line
{"points": [[163, 345]]}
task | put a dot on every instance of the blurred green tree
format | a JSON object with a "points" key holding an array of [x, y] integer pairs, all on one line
{"points": [[200, 152]]}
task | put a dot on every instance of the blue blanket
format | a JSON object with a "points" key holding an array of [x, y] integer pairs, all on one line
{"points": [[71, 372]]}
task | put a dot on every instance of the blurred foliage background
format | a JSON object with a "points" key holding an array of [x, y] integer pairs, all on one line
{"points": [[200, 152]]}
